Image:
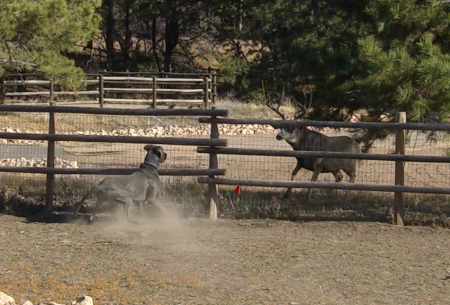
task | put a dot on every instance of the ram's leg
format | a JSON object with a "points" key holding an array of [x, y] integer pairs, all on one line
{"points": [[352, 180], [294, 172], [338, 176], [314, 177]]}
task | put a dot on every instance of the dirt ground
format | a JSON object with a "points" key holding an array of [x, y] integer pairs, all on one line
{"points": [[196, 261]]}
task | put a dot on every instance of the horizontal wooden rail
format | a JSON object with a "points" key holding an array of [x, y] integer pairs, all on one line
{"points": [[114, 139], [159, 91], [31, 93], [364, 125], [323, 154], [147, 83], [150, 79], [326, 185], [40, 104], [40, 82], [109, 171], [147, 101], [108, 74], [26, 82], [114, 111], [47, 93]]}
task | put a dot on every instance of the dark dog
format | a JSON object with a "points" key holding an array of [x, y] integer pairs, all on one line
{"points": [[140, 187]]}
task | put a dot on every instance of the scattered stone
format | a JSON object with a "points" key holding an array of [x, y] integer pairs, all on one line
{"points": [[6, 299], [161, 131], [84, 300], [447, 274], [22, 162]]}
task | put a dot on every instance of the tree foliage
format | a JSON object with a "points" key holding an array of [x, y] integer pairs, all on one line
{"points": [[374, 57], [407, 61], [36, 35]]}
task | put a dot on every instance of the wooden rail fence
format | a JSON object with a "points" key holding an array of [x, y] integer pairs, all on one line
{"points": [[215, 146], [150, 89], [399, 158], [52, 137]]}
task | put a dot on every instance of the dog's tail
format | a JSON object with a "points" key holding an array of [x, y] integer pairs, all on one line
{"points": [[78, 205]]}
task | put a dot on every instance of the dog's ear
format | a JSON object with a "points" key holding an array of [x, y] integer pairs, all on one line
{"points": [[163, 157], [148, 147], [159, 152]]}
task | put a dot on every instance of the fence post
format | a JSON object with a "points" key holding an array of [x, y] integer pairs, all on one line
{"points": [[52, 90], [50, 182], [154, 91], [2, 90], [207, 93], [214, 89], [399, 210], [101, 90], [213, 193]]}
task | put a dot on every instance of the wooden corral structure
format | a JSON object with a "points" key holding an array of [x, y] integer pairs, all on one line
{"points": [[214, 146], [152, 89], [51, 137]]}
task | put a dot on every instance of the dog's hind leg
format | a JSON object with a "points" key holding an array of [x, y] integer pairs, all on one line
{"points": [[80, 203], [127, 204], [101, 200]]}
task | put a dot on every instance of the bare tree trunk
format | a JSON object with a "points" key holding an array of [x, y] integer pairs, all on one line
{"points": [[127, 42], [109, 6], [154, 44], [171, 36], [240, 26]]}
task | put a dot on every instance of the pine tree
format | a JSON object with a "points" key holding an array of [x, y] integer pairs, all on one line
{"points": [[407, 59], [35, 35]]}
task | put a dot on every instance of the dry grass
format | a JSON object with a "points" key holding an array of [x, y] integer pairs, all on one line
{"points": [[127, 288]]}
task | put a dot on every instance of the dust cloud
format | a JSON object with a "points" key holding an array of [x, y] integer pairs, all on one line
{"points": [[170, 232]]}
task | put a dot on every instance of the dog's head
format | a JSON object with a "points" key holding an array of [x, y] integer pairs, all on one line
{"points": [[158, 151]]}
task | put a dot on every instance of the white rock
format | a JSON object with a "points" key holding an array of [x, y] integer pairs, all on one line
{"points": [[84, 300], [6, 299], [29, 303]]}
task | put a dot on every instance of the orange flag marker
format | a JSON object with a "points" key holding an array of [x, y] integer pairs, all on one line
{"points": [[237, 190]]}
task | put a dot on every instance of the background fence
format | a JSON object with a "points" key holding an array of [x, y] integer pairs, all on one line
{"points": [[253, 157], [152, 89]]}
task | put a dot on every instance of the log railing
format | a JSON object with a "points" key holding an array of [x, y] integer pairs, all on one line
{"points": [[53, 137], [215, 146], [398, 157], [150, 89]]}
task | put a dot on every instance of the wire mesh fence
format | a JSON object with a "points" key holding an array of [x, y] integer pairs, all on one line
{"points": [[264, 200], [69, 188], [186, 189]]}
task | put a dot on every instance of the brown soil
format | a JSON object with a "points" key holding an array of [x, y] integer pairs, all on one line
{"points": [[195, 261]]}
